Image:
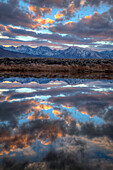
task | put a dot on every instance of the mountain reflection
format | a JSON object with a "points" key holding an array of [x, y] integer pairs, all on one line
{"points": [[69, 117]]}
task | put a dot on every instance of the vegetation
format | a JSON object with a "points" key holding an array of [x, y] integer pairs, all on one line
{"points": [[56, 65]]}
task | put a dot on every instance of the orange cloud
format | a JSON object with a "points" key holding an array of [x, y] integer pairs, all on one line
{"points": [[7, 97], [58, 16], [44, 117], [45, 143], [36, 116], [56, 112], [88, 17], [39, 11], [42, 106], [6, 28], [31, 117], [33, 26], [97, 13], [82, 2], [46, 10], [59, 135], [69, 23], [33, 8], [66, 106], [14, 142], [45, 21], [84, 112], [47, 133], [67, 12]]}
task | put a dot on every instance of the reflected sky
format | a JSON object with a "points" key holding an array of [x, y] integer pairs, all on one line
{"points": [[67, 115]]}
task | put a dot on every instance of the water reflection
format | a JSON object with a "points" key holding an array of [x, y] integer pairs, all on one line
{"points": [[48, 117]]}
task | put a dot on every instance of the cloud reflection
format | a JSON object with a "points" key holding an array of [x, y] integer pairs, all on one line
{"points": [[53, 115]]}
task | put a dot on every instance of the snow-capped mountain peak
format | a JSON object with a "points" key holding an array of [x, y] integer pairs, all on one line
{"points": [[71, 52]]}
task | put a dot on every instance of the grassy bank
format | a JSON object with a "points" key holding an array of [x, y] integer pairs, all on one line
{"points": [[56, 65]]}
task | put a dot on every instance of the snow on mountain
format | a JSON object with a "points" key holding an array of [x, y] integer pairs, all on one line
{"points": [[71, 52], [76, 52], [7, 54], [32, 51]]}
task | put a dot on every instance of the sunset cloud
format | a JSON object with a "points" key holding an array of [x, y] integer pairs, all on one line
{"points": [[56, 112], [66, 13], [58, 16], [68, 22], [96, 25], [45, 21], [52, 3], [98, 2], [39, 12]]}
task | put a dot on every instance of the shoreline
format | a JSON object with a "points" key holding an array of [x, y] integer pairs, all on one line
{"points": [[103, 76], [61, 68]]}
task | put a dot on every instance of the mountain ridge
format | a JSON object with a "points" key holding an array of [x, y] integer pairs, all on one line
{"points": [[69, 81], [71, 52]]}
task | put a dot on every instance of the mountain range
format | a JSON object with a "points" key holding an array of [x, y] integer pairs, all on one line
{"points": [[48, 80], [42, 51], [43, 80]]}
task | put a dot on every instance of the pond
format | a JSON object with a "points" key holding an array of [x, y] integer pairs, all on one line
{"points": [[56, 123]]}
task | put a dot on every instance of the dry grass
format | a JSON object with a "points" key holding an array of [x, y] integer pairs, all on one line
{"points": [[57, 65]]}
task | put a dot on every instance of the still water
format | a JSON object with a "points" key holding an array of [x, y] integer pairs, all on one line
{"points": [[56, 122]]}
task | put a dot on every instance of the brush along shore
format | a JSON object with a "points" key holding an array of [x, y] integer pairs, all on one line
{"points": [[56, 65]]}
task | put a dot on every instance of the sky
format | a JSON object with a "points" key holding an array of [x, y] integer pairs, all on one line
{"points": [[57, 24]]}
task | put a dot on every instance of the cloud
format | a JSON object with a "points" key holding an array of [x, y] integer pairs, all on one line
{"points": [[46, 10], [97, 2], [13, 2], [31, 43], [55, 38], [97, 131], [92, 105], [15, 17], [59, 16], [9, 14], [66, 3], [2, 28], [53, 3], [97, 25], [39, 12], [66, 13], [45, 21], [69, 12], [10, 111], [103, 47], [108, 116], [17, 31], [56, 112], [44, 130]]}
